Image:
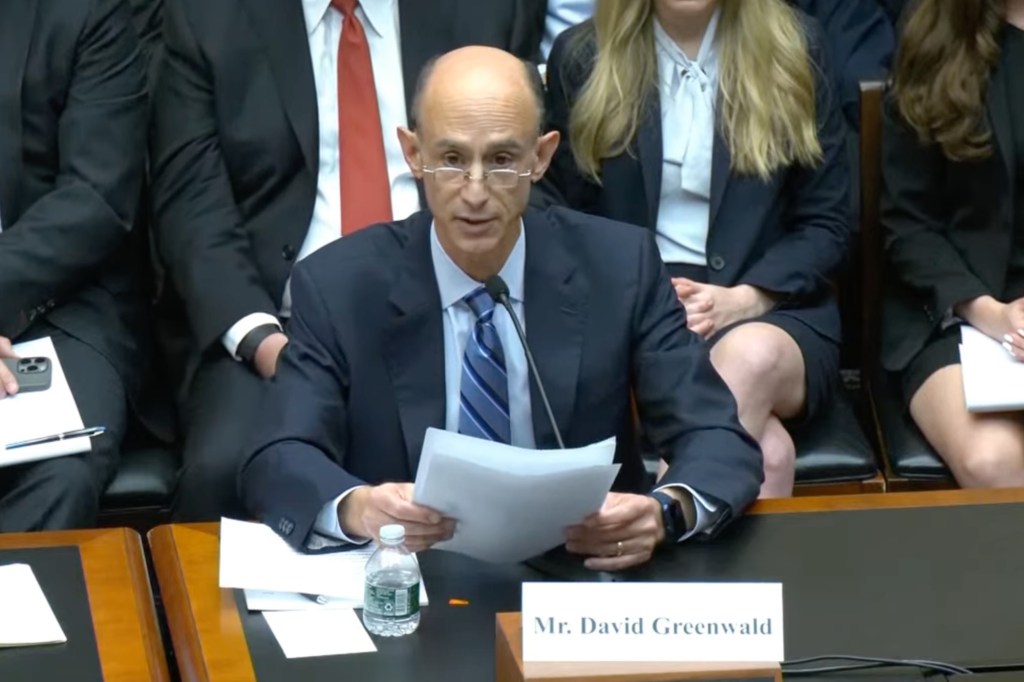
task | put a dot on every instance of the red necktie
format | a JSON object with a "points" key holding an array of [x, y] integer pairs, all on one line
{"points": [[365, 188]]}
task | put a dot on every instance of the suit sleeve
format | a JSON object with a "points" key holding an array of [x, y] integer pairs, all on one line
{"points": [[915, 223], [528, 30], [800, 266], [685, 408], [63, 240], [292, 470], [564, 184], [200, 231]]}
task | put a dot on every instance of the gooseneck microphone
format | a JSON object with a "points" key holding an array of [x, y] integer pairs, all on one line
{"points": [[498, 290]]}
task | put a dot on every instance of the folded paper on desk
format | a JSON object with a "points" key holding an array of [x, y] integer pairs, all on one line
{"points": [[42, 413], [993, 380], [509, 503], [302, 634], [274, 576], [26, 618]]}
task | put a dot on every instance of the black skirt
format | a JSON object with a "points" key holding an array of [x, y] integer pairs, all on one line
{"points": [[941, 350], [820, 353]]}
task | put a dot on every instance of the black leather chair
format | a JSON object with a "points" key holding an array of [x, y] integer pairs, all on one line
{"points": [[140, 494], [910, 462]]}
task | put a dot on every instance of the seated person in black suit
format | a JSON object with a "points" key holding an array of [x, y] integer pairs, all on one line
{"points": [[393, 333], [953, 213], [274, 135], [72, 137], [712, 125]]}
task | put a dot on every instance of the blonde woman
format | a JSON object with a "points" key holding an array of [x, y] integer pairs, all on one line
{"points": [[712, 123]]}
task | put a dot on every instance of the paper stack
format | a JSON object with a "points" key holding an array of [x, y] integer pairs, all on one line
{"points": [[993, 380], [510, 504], [26, 618]]}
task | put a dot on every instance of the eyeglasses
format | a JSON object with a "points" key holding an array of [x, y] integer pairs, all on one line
{"points": [[496, 178]]}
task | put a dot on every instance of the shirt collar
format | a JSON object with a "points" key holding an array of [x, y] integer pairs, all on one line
{"points": [[454, 285], [705, 55], [376, 13]]}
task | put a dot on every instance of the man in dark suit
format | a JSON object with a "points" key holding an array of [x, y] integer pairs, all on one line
{"points": [[72, 137], [393, 333], [274, 135]]}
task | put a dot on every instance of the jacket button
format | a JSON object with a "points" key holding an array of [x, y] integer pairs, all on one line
{"points": [[288, 252], [716, 263]]}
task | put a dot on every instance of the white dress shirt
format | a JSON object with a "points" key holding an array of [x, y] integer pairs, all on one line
{"points": [[324, 25], [688, 91], [563, 14]]}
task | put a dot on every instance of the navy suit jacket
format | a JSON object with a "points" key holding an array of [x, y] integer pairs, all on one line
{"points": [[363, 375], [860, 40], [787, 235]]}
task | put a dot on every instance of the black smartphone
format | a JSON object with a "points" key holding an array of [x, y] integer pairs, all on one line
{"points": [[32, 374]]}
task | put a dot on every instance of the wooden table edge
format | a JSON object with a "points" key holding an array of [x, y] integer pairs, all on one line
{"points": [[145, 606], [188, 646], [906, 500]]}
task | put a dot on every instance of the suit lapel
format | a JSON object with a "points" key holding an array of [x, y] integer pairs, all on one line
{"points": [[999, 117], [556, 313], [282, 30], [650, 155], [17, 23], [414, 342], [721, 161]]}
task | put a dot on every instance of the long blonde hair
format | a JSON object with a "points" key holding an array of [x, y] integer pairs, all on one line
{"points": [[766, 86]]}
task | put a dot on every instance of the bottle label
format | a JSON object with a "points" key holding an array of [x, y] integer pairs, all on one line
{"points": [[390, 602]]}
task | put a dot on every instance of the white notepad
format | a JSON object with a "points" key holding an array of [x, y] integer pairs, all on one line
{"points": [[26, 618], [42, 413], [993, 380]]}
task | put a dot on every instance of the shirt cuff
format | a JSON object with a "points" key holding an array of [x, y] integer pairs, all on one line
{"points": [[707, 513], [327, 528], [233, 337]]}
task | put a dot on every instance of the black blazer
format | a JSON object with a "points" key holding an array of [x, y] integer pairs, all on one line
{"points": [[72, 142], [235, 142], [948, 227], [363, 376], [787, 235]]}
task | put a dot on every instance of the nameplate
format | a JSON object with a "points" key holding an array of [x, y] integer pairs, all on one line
{"points": [[644, 622]]}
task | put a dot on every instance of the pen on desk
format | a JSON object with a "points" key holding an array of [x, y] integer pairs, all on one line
{"points": [[317, 598], [90, 432]]}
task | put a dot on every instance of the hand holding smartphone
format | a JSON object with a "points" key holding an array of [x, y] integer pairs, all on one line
{"points": [[31, 374]]}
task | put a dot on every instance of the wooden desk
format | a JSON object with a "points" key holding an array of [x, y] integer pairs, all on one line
{"points": [[120, 599], [208, 639]]}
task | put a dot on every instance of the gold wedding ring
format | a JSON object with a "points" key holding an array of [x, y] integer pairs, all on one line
{"points": [[618, 548]]}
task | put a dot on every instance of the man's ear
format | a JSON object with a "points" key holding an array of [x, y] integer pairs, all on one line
{"points": [[547, 145], [411, 151]]}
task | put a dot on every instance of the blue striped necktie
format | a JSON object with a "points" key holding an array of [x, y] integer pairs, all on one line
{"points": [[483, 392]]}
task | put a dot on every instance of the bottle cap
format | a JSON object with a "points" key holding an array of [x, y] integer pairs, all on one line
{"points": [[392, 533]]}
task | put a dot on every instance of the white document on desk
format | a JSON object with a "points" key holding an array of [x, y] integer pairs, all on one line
{"points": [[993, 380], [510, 504], [274, 576], [41, 413], [25, 616], [302, 634]]}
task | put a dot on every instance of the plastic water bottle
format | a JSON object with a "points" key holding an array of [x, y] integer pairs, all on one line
{"points": [[392, 597]]}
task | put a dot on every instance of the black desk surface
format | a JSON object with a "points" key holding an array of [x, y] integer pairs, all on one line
{"points": [[938, 583]]}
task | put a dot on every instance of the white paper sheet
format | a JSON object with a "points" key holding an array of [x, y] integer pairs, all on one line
{"points": [[41, 413], [254, 558], [993, 381], [302, 634], [25, 616], [510, 504]]}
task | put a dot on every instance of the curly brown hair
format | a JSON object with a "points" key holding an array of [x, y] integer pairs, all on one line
{"points": [[948, 50]]}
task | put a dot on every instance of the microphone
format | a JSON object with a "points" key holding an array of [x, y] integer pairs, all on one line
{"points": [[498, 290]]}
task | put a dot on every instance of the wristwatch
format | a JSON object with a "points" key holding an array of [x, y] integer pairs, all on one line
{"points": [[672, 516], [251, 342]]}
